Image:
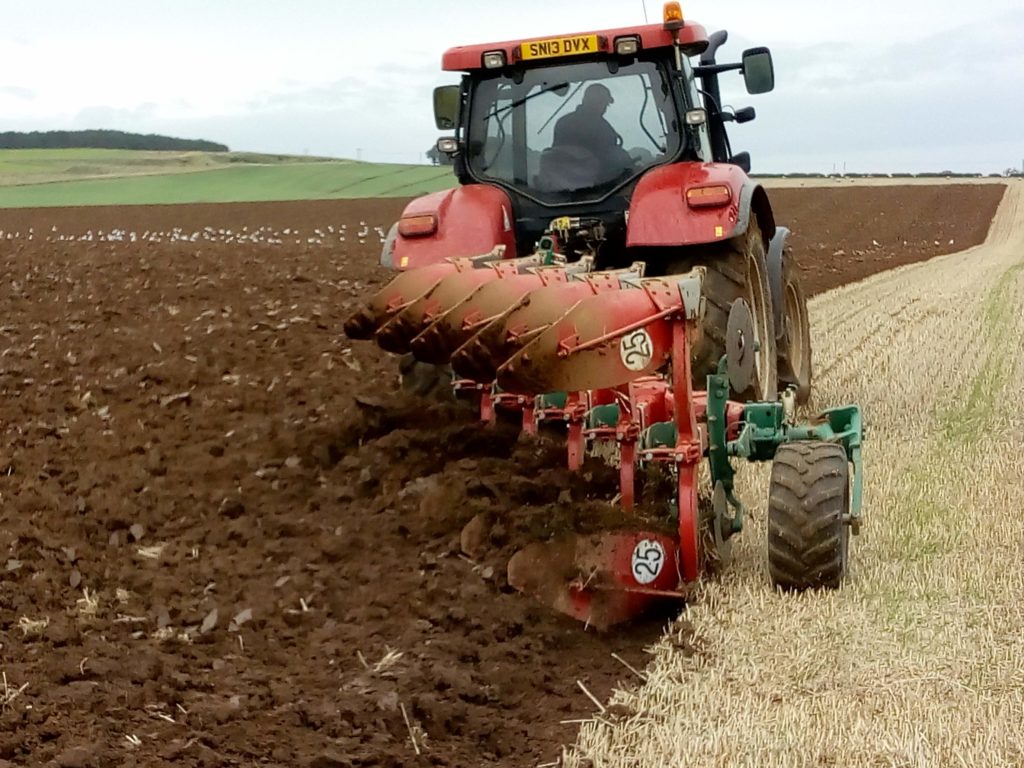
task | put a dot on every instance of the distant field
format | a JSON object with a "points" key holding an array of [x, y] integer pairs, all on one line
{"points": [[45, 178]]}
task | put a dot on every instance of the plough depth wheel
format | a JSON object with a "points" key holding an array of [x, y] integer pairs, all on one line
{"points": [[808, 505]]}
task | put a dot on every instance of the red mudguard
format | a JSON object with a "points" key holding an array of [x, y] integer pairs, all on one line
{"points": [[470, 220], [659, 214]]}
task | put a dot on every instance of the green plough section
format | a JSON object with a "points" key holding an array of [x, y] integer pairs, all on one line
{"points": [[764, 427]]}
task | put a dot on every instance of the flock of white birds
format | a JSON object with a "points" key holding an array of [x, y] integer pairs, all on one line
{"points": [[330, 235]]}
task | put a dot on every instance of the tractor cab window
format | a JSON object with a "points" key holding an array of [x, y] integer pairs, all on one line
{"points": [[572, 133]]}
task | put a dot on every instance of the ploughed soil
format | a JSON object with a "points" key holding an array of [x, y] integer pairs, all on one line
{"points": [[842, 234], [225, 539]]}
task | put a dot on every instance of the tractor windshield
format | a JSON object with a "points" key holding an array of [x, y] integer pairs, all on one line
{"points": [[571, 133]]}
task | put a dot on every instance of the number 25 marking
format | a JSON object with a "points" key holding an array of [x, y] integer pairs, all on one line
{"points": [[648, 560], [635, 350]]}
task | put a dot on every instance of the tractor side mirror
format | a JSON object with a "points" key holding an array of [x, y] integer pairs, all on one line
{"points": [[447, 100], [742, 159], [758, 70], [745, 115]]}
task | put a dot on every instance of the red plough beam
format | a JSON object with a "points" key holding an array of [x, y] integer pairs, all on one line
{"points": [[600, 337]]}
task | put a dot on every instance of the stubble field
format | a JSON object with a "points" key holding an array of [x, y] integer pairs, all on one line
{"points": [[228, 541]]}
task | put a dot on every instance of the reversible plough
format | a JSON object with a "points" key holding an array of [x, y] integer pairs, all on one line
{"points": [[608, 354]]}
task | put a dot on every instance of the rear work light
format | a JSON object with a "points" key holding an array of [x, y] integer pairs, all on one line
{"points": [[696, 117], [494, 60], [447, 145], [627, 46], [708, 197], [418, 225]]}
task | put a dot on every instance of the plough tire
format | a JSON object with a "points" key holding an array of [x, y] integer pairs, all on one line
{"points": [[809, 497]]}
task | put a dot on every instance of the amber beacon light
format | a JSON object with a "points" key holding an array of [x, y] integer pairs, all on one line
{"points": [[673, 16]]}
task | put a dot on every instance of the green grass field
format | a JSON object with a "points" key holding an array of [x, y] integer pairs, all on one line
{"points": [[46, 178]]}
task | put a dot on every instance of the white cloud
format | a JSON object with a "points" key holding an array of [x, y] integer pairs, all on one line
{"points": [[877, 84]]}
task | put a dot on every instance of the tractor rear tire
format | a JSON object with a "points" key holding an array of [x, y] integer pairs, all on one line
{"points": [[808, 501], [425, 379], [795, 343], [736, 269]]}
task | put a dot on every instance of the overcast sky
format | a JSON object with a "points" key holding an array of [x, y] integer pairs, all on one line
{"points": [[870, 86]]}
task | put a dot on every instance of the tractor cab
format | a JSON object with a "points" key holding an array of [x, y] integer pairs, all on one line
{"points": [[573, 133], [568, 125]]}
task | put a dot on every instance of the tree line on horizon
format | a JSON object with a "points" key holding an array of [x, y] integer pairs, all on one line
{"points": [[104, 139]]}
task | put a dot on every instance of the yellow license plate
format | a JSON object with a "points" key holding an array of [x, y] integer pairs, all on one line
{"points": [[578, 45]]}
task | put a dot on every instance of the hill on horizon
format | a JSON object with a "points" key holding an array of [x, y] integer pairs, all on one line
{"points": [[105, 139]]}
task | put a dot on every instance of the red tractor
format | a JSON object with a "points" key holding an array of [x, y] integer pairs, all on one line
{"points": [[653, 180], [607, 264]]}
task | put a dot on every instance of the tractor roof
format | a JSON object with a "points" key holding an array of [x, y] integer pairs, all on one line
{"points": [[465, 58]]}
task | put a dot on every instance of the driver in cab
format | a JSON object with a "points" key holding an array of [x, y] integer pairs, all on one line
{"points": [[586, 128]]}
